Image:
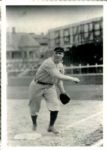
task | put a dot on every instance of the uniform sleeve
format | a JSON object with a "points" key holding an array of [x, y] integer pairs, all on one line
{"points": [[50, 67], [61, 68]]}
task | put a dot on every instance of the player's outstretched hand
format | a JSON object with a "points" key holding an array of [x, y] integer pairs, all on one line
{"points": [[76, 80]]}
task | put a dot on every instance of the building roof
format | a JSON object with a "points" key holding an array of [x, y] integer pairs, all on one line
{"points": [[75, 24], [15, 41], [42, 39], [27, 40]]}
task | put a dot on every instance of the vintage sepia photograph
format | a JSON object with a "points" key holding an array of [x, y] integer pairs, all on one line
{"points": [[54, 61]]}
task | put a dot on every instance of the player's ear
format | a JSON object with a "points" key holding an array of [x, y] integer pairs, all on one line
{"points": [[63, 54]]}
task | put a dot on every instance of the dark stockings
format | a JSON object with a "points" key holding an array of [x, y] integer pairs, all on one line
{"points": [[34, 119], [53, 117]]}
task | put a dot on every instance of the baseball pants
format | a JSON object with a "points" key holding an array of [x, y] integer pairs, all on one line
{"points": [[37, 92]]}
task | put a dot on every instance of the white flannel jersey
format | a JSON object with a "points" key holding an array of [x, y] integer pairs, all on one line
{"points": [[45, 74]]}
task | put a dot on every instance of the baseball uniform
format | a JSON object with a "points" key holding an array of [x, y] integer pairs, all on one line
{"points": [[38, 91]]}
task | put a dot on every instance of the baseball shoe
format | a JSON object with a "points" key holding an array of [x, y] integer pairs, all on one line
{"points": [[34, 127], [53, 130]]}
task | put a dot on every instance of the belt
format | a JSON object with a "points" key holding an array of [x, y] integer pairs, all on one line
{"points": [[43, 83]]}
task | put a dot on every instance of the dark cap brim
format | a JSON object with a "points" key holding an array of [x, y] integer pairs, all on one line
{"points": [[59, 49]]}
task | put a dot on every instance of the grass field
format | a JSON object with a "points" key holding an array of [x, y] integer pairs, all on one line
{"points": [[77, 92]]}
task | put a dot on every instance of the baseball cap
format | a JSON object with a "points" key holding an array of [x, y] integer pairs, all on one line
{"points": [[59, 49]]}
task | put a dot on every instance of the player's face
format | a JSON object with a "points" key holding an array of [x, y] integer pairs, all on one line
{"points": [[58, 56]]}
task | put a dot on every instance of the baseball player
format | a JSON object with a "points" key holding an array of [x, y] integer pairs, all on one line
{"points": [[49, 76]]}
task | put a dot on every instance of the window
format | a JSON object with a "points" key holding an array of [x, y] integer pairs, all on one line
{"points": [[96, 25], [75, 30], [86, 28], [97, 33], [90, 26], [66, 36], [16, 55], [57, 38], [24, 54], [31, 54], [80, 28]]}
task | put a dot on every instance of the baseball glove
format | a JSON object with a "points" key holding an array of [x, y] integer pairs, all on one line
{"points": [[64, 98]]}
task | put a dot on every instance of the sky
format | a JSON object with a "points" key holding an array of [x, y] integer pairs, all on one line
{"points": [[39, 19]]}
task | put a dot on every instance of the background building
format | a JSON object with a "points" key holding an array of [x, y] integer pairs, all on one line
{"points": [[83, 44], [82, 41], [24, 49]]}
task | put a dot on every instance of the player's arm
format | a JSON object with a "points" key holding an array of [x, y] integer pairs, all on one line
{"points": [[61, 76], [61, 86]]}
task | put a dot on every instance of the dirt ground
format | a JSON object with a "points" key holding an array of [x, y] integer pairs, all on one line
{"points": [[79, 124]]}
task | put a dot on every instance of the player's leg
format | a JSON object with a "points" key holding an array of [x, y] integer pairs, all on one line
{"points": [[34, 110], [53, 117], [35, 96], [34, 122], [53, 105]]}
